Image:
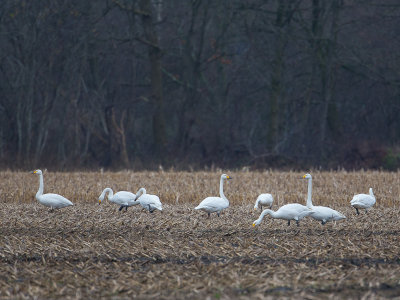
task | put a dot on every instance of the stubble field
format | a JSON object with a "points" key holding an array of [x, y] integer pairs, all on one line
{"points": [[92, 251]]}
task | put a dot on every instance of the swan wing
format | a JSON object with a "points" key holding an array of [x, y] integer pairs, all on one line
{"points": [[363, 201], [326, 214], [294, 211], [151, 201], [124, 198], [54, 200], [265, 199], [212, 204]]}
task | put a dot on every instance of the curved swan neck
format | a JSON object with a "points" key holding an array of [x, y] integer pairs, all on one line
{"points": [[256, 205], [140, 192], [40, 191], [221, 189], [309, 195], [109, 191], [265, 212]]}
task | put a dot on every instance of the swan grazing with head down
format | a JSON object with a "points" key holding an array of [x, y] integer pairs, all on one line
{"points": [[322, 213], [363, 201], [147, 201], [122, 198], [293, 211], [264, 200], [215, 204], [50, 200]]}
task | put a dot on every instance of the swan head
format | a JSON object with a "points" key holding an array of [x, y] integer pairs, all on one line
{"points": [[225, 177], [256, 223], [39, 172], [307, 176]]}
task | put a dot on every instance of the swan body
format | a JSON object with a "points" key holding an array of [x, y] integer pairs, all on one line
{"points": [[50, 200], [215, 204], [363, 201], [264, 200], [147, 201], [293, 211], [321, 213], [122, 198]]}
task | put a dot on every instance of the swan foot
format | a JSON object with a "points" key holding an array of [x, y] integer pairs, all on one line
{"points": [[288, 223], [218, 214], [323, 222], [121, 208]]}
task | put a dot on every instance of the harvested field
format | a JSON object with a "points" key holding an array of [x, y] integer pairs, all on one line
{"points": [[92, 251]]}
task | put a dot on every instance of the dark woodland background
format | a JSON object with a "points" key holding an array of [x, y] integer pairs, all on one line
{"points": [[200, 83]]}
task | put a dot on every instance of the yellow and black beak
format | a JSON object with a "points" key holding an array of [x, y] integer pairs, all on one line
{"points": [[33, 172], [254, 224], [99, 201], [228, 177], [304, 176]]}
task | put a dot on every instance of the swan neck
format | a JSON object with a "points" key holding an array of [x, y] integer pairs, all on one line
{"points": [[140, 192], [221, 190], [309, 195], [109, 191], [371, 193], [40, 191], [265, 212]]}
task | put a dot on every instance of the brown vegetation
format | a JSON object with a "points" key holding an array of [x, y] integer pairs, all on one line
{"points": [[92, 250]]}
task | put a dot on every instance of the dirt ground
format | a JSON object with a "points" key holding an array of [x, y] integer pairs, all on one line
{"points": [[91, 251]]}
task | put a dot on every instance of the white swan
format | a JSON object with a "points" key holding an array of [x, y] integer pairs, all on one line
{"points": [[363, 201], [147, 201], [293, 211], [215, 204], [50, 200], [264, 200], [122, 198], [322, 213]]}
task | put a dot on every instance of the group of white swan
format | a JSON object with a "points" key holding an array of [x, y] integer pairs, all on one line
{"points": [[293, 211], [122, 198]]}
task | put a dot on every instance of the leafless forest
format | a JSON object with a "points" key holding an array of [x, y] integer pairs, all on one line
{"points": [[95, 251], [120, 84]]}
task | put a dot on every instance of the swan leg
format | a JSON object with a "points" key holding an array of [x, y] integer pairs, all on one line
{"points": [[357, 211], [366, 210], [298, 223], [323, 222], [261, 207], [218, 214], [288, 223], [126, 208], [208, 215], [121, 208]]}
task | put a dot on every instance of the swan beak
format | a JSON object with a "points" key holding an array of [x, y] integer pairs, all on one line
{"points": [[255, 208], [228, 177], [304, 176], [99, 201], [254, 224], [33, 172]]}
